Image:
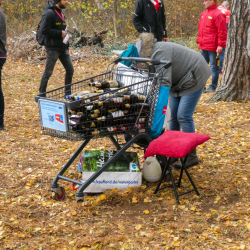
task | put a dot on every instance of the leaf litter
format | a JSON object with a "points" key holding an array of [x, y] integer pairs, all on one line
{"points": [[134, 218]]}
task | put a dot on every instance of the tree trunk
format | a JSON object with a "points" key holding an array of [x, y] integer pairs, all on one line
{"points": [[235, 82], [115, 16]]}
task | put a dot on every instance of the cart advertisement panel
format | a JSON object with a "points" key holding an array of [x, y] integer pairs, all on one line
{"points": [[112, 180], [53, 115]]}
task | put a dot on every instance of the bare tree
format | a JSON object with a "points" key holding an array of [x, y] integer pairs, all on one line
{"points": [[235, 82]]}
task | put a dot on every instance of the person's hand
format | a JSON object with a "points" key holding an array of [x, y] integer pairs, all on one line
{"points": [[219, 49], [64, 33], [165, 39]]}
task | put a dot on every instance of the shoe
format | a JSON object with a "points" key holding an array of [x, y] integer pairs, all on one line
{"points": [[221, 72], [209, 90], [1, 127], [192, 160]]}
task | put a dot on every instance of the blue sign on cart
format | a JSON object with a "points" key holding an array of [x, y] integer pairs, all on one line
{"points": [[53, 115]]}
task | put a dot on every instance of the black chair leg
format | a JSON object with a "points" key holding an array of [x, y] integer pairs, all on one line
{"points": [[174, 186], [183, 168], [183, 162], [163, 175], [190, 179]]}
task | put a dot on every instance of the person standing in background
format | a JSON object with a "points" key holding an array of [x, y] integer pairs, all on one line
{"points": [[212, 38], [54, 30], [149, 16], [225, 9], [3, 56]]}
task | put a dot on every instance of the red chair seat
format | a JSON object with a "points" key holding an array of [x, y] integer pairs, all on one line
{"points": [[175, 144]]}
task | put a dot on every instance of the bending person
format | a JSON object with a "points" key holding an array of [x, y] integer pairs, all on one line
{"points": [[186, 79]]}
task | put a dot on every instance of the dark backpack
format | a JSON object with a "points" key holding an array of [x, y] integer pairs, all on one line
{"points": [[39, 36]]}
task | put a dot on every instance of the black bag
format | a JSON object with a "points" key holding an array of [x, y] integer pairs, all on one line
{"points": [[39, 35]]}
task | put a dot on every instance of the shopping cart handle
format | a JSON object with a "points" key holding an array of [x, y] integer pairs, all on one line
{"points": [[143, 60]]}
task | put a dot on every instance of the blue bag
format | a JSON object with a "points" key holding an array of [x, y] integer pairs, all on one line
{"points": [[160, 111]]}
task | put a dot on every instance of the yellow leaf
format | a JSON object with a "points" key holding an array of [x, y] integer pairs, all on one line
{"points": [[32, 182], [21, 235], [146, 212], [146, 200], [192, 208], [248, 226], [138, 227], [88, 211], [160, 199], [102, 197], [121, 227], [73, 213], [176, 244], [134, 200]]}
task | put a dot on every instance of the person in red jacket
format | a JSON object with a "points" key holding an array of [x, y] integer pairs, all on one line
{"points": [[224, 8], [212, 37]]}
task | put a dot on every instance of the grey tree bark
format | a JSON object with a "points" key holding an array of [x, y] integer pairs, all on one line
{"points": [[235, 82]]}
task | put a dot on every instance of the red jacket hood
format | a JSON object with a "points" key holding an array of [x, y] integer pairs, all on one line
{"points": [[212, 7]]}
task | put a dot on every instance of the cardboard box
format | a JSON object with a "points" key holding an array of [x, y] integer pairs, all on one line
{"points": [[123, 173]]}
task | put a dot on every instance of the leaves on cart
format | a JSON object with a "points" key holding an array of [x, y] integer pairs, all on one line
{"points": [[133, 218]]}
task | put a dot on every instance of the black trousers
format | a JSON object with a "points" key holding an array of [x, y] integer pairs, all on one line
{"points": [[51, 59], [2, 62]]}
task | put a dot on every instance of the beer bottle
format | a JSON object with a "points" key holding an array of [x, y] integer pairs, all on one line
{"points": [[97, 104], [134, 98], [105, 84], [89, 132], [74, 126], [89, 124], [79, 118], [217, 60]]}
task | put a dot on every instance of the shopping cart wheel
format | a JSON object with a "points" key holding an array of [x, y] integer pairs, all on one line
{"points": [[58, 197]]}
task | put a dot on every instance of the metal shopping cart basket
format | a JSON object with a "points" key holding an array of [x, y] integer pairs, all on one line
{"points": [[86, 113]]}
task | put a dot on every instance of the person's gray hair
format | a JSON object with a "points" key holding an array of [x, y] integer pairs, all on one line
{"points": [[147, 44], [226, 3]]}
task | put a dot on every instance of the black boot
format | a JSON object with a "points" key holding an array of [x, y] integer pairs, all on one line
{"points": [[192, 160]]}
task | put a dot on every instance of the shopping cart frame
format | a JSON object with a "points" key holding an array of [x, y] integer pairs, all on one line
{"points": [[59, 192]]}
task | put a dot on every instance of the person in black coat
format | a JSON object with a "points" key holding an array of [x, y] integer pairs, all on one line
{"points": [[149, 16], [54, 29]]}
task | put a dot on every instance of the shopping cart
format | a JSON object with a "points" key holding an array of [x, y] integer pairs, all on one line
{"points": [[140, 88]]}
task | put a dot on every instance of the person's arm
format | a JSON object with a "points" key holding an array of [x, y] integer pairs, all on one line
{"points": [[166, 55], [47, 30], [165, 35], [220, 23], [138, 16]]}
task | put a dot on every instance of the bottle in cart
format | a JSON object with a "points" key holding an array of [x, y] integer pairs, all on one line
{"points": [[79, 117], [217, 60], [134, 98], [105, 84]]}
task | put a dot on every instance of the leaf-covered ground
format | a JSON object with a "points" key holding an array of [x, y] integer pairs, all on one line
{"points": [[131, 219]]}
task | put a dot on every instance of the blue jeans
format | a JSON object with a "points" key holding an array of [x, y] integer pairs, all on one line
{"points": [[51, 59], [210, 58], [2, 62], [222, 55], [182, 110]]}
